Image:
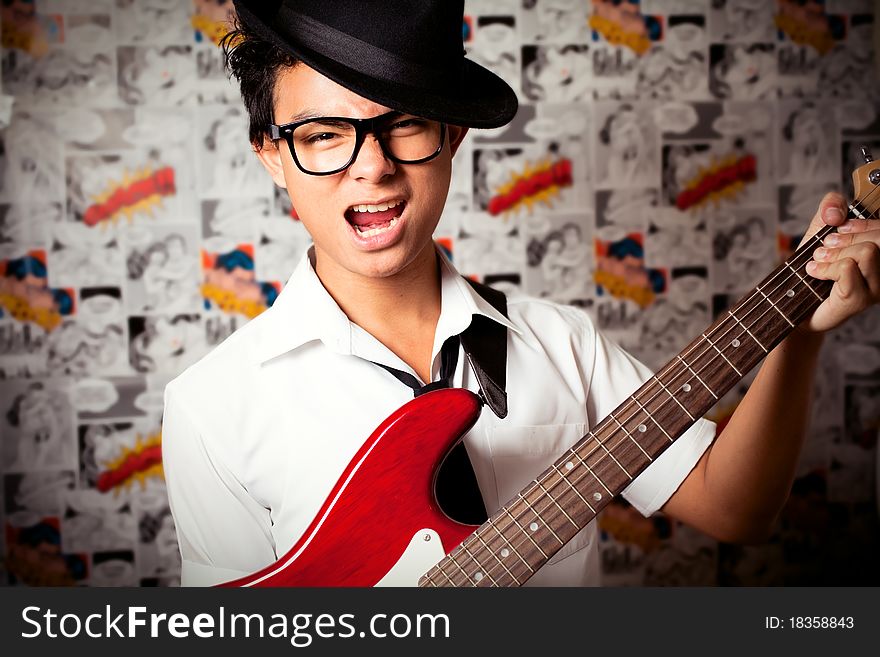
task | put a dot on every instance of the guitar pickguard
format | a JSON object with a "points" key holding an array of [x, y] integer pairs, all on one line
{"points": [[424, 551]]}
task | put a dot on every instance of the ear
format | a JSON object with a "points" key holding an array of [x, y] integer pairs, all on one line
{"points": [[270, 157], [456, 136]]}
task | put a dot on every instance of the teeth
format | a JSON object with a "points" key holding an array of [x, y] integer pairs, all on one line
{"points": [[376, 208], [376, 231]]}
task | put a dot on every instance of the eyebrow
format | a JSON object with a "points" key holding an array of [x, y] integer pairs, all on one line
{"points": [[315, 114], [305, 114]]}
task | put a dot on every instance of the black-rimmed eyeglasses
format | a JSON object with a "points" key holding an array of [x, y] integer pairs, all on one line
{"points": [[329, 144]]}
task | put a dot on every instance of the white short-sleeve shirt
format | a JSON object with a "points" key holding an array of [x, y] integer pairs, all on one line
{"points": [[256, 434]]}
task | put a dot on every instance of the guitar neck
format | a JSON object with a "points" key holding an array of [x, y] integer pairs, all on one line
{"points": [[527, 531]]}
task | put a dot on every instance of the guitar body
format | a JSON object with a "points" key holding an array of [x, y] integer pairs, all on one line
{"points": [[381, 523]]}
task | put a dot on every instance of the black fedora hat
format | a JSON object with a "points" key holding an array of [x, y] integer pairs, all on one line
{"points": [[405, 54]]}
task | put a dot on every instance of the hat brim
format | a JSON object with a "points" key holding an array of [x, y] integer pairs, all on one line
{"points": [[480, 99]]}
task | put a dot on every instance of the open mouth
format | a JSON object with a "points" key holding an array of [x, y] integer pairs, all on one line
{"points": [[369, 220]]}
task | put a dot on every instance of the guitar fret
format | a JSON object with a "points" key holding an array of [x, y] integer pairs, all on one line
{"points": [[510, 545], [711, 392], [525, 533], [539, 517], [645, 411], [492, 552], [784, 316], [554, 512], [576, 491], [428, 577], [757, 342], [590, 470], [451, 556], [721, 353], [629, 435], [474, 559], [804, 281], [602, 445], [857, 212], [443, 572], [675, 399], [553, 499]]}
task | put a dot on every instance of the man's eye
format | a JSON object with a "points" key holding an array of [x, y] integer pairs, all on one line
{"points": [[319, 137], [407, 124]]}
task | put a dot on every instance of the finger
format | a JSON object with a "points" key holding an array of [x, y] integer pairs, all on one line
{"points": [[832, 212], [859, 226], [843, 271], [865, 254], [849, 295], [847, 239], [849, 283], [851, 286]]}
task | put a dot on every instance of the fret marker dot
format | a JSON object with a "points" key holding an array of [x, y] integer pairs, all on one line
{"points": [[735, 342], [534, 526], [642, 428], [790, 293], [597, 496], [478, 577], [505, 552], [686, 387], [569, 466]]}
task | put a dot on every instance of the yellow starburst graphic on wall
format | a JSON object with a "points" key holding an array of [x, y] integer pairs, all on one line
{"points": [[139, 463]]}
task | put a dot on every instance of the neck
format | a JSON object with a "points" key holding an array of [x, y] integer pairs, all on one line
{"points": [[407, 301]]}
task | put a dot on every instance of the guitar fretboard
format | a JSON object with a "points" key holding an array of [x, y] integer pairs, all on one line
{"points": [[527, 531]]}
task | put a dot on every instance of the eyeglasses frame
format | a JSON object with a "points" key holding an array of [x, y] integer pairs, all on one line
{"points": [[362, 127]]}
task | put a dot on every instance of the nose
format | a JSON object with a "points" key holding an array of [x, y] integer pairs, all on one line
{"points": [[370, 163]]}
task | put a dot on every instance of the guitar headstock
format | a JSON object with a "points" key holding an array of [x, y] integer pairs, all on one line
{"points": [[866, 186]]}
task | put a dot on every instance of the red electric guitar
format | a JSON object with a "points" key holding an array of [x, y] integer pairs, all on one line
{"points": [[381, 524]]}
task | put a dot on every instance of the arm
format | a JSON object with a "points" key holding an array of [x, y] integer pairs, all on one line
{"points": [[223, 532], [739, 486]]}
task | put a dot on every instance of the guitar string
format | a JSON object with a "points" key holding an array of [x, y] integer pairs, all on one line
{"points": [[551, 476], [562, 477], [601, 443]]}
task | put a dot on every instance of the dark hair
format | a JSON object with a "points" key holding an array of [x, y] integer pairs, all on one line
{"points": [[625, 247], [137, 261], [721, 59], [269, 293], [24, 266], [535, 252], [63, 301], [13, 416], [723, 242], [788, 129], [605, 132], [39, 534], [150, 524], [571, 224], [256, 64], [235, 259], [483, 21]]}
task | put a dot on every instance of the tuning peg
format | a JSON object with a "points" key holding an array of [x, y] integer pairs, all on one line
{"points": [[866, 154]]}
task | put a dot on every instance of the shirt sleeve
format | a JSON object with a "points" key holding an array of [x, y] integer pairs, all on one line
{"points": [[615, 376], [222, 531]]}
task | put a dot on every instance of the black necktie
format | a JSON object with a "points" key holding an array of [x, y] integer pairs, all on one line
{"points": [[448, 363], [457, 490]]}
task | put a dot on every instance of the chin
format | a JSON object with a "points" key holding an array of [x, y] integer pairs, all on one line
{"points": [[381, 267], [388, 262]]}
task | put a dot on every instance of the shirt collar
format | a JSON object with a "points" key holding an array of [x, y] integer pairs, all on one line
{"points": [[304, 311]]}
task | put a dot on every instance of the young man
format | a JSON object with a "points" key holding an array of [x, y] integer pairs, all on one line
{"points": [[257, 433]]}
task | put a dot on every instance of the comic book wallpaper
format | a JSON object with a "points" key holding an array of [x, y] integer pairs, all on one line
{"points": [[666, 155]]}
